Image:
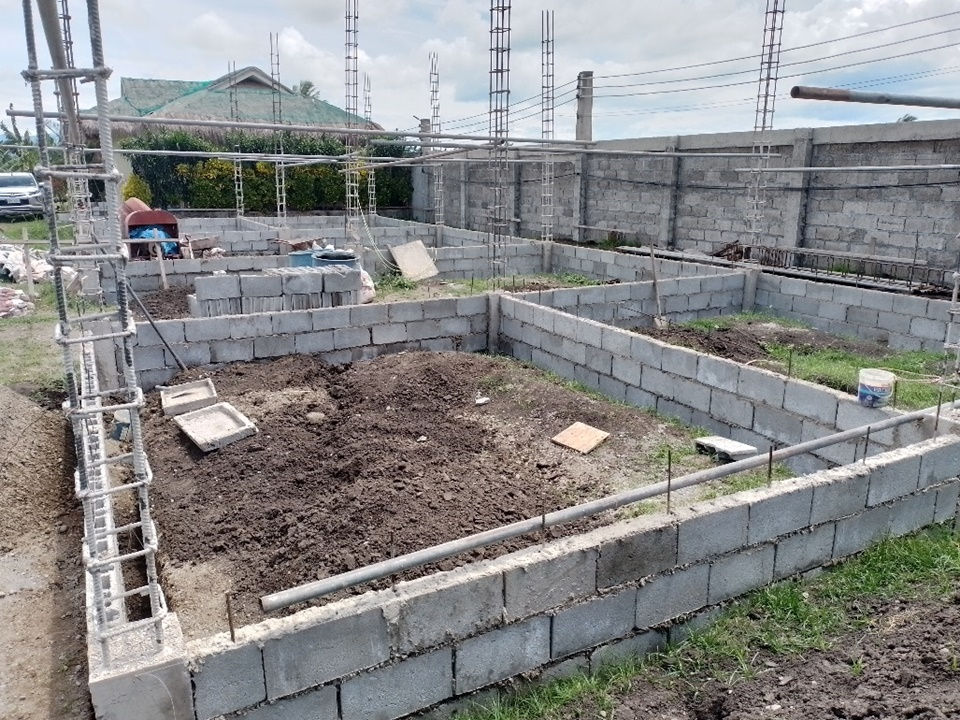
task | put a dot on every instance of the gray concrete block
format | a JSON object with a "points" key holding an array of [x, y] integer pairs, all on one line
{"points": [[646, 351], [216, 287], [589, 332], [549, 578], [939, 463], [227, 681], [733, 575], [312, 656], [576, 665], [674, 410], [399, 689], [440, 308], [449, 606], [386, 334], [810, 401], [368, 314], [778, 511], [649, 550], [666, 597], [297, 321], [330, 318], [317, 705], [681, 631], [616, 341], [171, 330], [149, 358], [641, 398], [350, 337], [635, 646], [948, 498], [250, 326], [845, 493], [692, 394], [913, 512], [423, 330], [341, 281], [718, 373], [731, 409], [502, 653], [454, 326], [851, 414], [680, 361], [192, 355], [231, 351], [803, 551], [473, 305], [894, 478], [261, 285], [778, 425], [613, 389], [711, 528], [594, 622], [308, 343], [762, 386], [858, 532], [274, 346]]}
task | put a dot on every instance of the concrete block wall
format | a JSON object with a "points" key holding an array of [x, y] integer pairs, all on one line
{"points": [[275, 290], [904, 322], [626, 267], [575, 603], [631, 305], [474, 260], [339, 335], [144, 275], [754, 406]]}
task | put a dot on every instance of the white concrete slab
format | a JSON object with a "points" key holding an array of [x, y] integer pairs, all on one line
{"points": [[185, 397], [414, 261], [216, 426], [724, 448]]}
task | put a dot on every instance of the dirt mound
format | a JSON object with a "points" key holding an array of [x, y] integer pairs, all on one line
{"points": [[354, 465], [163, 304]]}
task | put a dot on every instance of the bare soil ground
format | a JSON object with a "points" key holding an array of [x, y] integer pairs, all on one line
{"points": [[746, 343], [42, 627], [399, 458], [163, 304], [905, 665]]}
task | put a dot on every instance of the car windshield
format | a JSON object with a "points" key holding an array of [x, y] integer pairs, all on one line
{"points": [[19, 180]]}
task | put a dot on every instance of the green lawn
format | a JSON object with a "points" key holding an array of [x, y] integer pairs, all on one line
{"points": [[37, 231], [29, 357]]}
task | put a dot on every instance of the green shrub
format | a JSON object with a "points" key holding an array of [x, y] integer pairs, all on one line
{"points": [[137, 187]]}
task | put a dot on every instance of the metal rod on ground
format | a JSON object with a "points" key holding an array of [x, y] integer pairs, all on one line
{"points": [[936, 422], [866, 445], [233, 637], [376, 571], [669, 477], [153, 324]]}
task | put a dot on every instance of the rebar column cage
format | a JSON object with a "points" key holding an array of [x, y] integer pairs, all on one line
{"points": [[354, 164], [237, 163], [547, 104], [498, 128], [280, 170], [102, 471], [763, 117], [371, 173], [435, 128]]}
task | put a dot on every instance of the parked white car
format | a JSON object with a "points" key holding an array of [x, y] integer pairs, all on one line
{"points": [[19, 195]]}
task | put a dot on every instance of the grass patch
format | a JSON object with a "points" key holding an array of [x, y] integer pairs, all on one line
{"points": [[725, 322], [747, 480], [28, 354], [786, 619], [37, 231]]}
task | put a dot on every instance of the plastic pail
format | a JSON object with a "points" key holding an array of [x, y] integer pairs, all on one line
{"points": [[301, 258], [342, 258], [875, 387]]}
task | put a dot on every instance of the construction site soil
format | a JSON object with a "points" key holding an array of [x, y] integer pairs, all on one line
{"points": [[42, 627], [904, 665], [163, 304], [356, 464], [748, 342]]}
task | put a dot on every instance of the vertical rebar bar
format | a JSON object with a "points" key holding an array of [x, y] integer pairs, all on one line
{"points": [[669, 478], [498, 129], [770, 466], [547, 106]]}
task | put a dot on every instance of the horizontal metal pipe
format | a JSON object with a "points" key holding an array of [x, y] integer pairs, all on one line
{"points": [[386, 568], [849, 168], [323, 129], [802, 92]]}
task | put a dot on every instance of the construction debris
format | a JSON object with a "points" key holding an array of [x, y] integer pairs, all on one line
{"points": [[215, 426], [414, 261], [186, 397], [581, 437], [13, 264], [724, 449], [14, 303]]}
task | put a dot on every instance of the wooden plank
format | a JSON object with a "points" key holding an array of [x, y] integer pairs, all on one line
{"points": [[581, 437]]}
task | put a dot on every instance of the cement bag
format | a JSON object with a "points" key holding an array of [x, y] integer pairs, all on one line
{"points": [[367, 290]]}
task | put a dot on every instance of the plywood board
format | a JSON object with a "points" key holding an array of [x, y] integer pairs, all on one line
{"points": [[581, 437], [414, 261]]}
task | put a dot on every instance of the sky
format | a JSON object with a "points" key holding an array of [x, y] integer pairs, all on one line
{"points": [[633, 49]]}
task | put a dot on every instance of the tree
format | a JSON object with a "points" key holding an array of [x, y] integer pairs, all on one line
{"points": [[306, 88], [137, 187]]}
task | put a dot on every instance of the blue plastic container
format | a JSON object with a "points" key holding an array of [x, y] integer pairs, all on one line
{"points": [[301, 258], [341, 258]]}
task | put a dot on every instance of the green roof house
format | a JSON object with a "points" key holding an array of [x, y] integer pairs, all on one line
{"points": [[212, 100]]}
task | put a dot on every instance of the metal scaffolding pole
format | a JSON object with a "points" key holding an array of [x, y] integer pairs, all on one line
{"points": [[354, 164], [435, 128], [498, 129], [547, 103], [371, 173], [763, 118], [280, 170]]}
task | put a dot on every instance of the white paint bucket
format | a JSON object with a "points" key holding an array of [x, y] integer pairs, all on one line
{"points": [[875, 387]]}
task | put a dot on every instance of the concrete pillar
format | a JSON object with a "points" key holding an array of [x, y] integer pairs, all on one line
{"points": [[517, 199], [420, 176], [671, 193], [585, 105], [795, 205], [576, 232], [750, 290], [546, 257], [493, 322], [464, 178]]}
